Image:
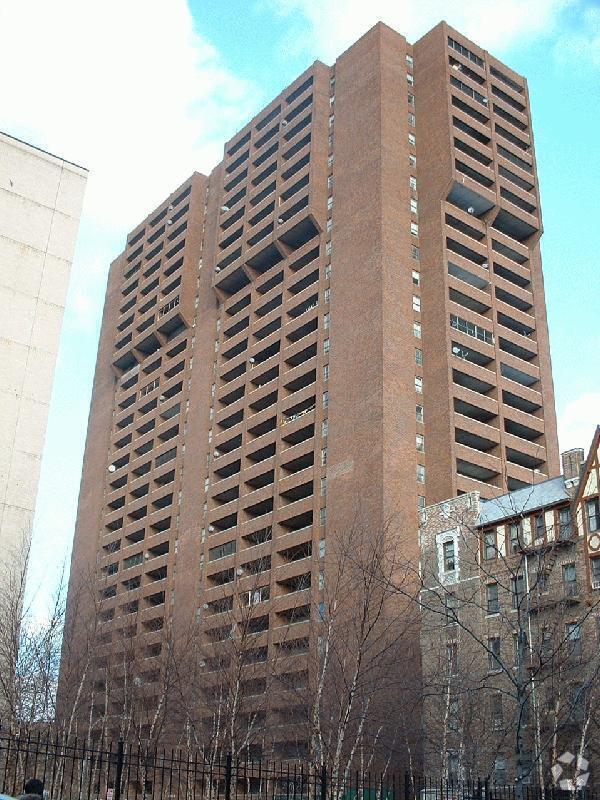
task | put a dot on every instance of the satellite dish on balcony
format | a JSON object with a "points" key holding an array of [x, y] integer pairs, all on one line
{"points": [[112, 468], [205, 606], [211, 528], [284, 122], [470, 210], [224, 208], [217, 269]]}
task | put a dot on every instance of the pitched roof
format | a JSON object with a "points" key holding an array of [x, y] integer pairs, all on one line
{"points": [[523, 501]]}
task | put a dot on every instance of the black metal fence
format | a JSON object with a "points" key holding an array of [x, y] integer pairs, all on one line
{"points": [[78, 770]]}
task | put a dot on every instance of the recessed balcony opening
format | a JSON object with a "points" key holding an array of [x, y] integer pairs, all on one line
{"points": [[268, 451], [234, 373], [297, 583], [239, 326], [472, 152], [232, 397], [459, 350], [152, 601], [235, 281], [470, 382], [263, 194], [260, 509], [299, 409], [266, 154], [513, 277], [266, 426], [514, 159], [297, 552], [264, 402], [514, 483], [233, 237], [301, 233], [220, 634], [297, 522], [221, 578], [261, 234], [293, 170], [515, 325], [474, 133], [474, 440], [219, 606], [297, 128], [161, 525], [292, 615], [127, 361], [262, 214], [135, 537], [296, 187], [514, 374], [303, 356], [225, 523], [164, 480], [233, 218], [472, 411], [516, 350], [526, 185], [512, 226], [269, 306], [138, 513], [267, 330], [255, 655], [520, 403], [306, 305], [292, 647], [265, 354], [465, 228], [469, 110], [256, 625], [520, 303], [233, 165], [478, 473], [158, 550], [299, 463], [299, 435], [295, 148], [304, 330], [257, 566], [269, 118], [227, 496], [301, 382], [230, 421], [258, 537], [140, 491], [468, 302], [298, 493], [466, 252], [524, 459], [240, 347], [265, 377], [298, 238], [522, 431], [229, 445], [508, 252], [478, 281], [476, 176], [240, 304], [305, 282], [227, 470], [166, 436], [262, 480], [262, 176], [157, 574], [143, 469], [273, 281]]}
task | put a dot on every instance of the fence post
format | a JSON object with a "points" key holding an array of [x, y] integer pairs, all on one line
{"points": [[228, 777], [119, 777], [323, 782], [406, 785]]}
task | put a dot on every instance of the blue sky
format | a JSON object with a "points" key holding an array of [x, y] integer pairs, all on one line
{"points": [[209, 66]]}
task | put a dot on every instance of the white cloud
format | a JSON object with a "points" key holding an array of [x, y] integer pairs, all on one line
{"points": [[578, 420], [123, 87], [583, 43], [327, 28]]}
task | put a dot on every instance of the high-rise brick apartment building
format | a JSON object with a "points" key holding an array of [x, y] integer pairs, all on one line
{"points": [[344, 320]]}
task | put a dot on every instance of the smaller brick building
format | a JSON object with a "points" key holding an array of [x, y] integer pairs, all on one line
{"points": [[511, 628]]}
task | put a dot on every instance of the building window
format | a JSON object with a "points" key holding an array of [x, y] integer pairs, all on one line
{"points": [[410, 79], [326, 320], [328, 271], [324, 428], [414, 228], [420, 473], [449, 556], [452, 658], [322, 516], [414, 252], [418, 384], [416, 277], [326, 346], [570, 580], [327, 295], [411, 99], [453, 714], [323, 486], [416, 303], [493, 653], [411, 119], [419, 413], [412, 181], [492, 599], [324, 457], [326, 372], [565, 523], [420, 502], [330, 182], [325, 399], [329, 203], [595, 566], [451, 608], [409, 60], [330, 141], [322, 548], [500, 776], [331, 120], [517, 590], [592, 513], [413, 206], [221, 551], [496, 711], [418, 356], [573, 638], [328, 248], [420, 440], [412, 160], [489, 545], [329, 225], [540, 527], [514, 537], [464, 326], [417, 330]]}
